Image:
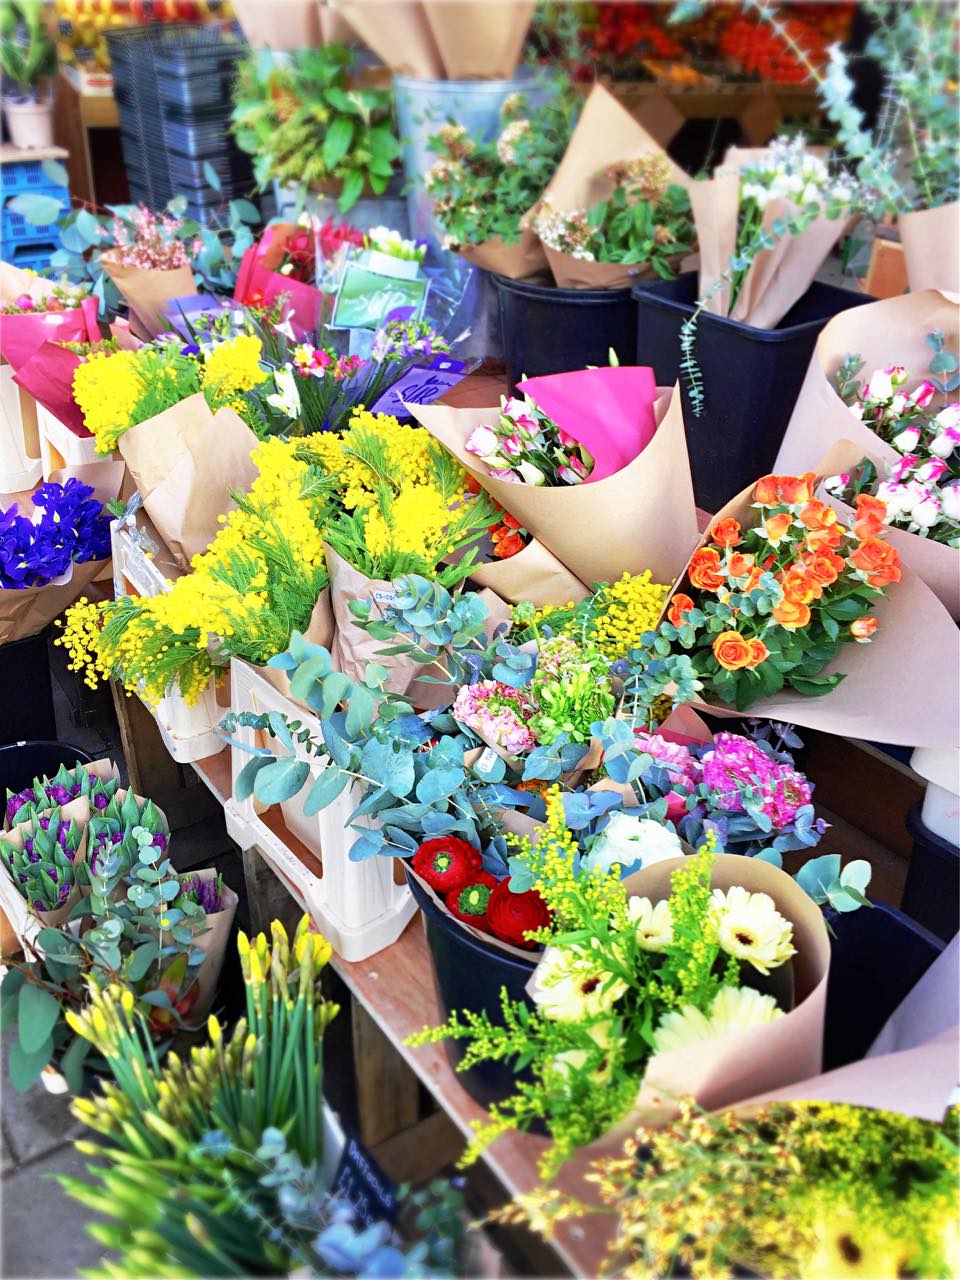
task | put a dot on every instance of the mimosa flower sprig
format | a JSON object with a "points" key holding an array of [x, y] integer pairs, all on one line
{"points": [[621, 979], [856, 1189]]}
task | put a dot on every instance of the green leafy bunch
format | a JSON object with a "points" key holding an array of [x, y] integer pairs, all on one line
{"points": [[27, 53], [481, 190], [309, 121]]}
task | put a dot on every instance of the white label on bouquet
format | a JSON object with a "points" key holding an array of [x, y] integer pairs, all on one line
{"points": [[385, 597], [486, 761]]}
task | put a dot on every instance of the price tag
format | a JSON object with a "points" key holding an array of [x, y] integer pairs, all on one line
{"points": [[486, 761], [385, 597], [360, 1181]]}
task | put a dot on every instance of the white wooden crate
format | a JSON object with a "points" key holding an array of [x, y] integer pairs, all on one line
{"points": [[61, 447], [19, 444], [358, 906], [189, 732]]}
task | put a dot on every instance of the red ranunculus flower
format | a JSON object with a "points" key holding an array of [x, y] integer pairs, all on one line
{"points": [[511, 915], [447, 863], [469, 903]]}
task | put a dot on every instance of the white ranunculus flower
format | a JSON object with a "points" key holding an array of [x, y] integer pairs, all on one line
{"points": [[628, 839], [950, 498]]}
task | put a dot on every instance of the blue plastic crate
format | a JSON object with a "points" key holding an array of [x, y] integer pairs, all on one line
{"points": [[23, 175], [31, 257], [14, 226]]}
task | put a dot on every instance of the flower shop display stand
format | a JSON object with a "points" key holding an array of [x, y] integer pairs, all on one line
{"points": [[359, 906], [188, 732]]}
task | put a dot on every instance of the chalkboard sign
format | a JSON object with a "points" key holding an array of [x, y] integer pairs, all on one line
{"points": [[363, 1184]]}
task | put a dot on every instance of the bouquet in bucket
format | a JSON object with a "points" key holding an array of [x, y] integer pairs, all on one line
{"points": [[773, 601], [677, 972]]}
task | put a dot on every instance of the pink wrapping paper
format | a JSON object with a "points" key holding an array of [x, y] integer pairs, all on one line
{"points": [[22, 336], [609, 411], [257, 274], [48, 377]]}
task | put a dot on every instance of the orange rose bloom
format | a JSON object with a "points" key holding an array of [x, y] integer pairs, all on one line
{"points": [[791, 613], [825, 539], [777, 527], [740, 564], [752, 581], [758, 652], [726, 533], [825, 567], [878, 561], [732, 650], [799, 585], [797, 489], [817, 515], [679, 605], [863, 628], [767, 490], [704, 570], [870, 516]]}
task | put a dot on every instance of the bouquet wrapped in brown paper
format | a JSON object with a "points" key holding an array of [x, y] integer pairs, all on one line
{"points": [[40, 860], [291, 24], [443, 39], [614, 188], [185, 463], [147, 290], [890, 342], [534, 574], [30, 599], [931, 246], [824, 638], [634, 511], [782, 193], [220, 906]]}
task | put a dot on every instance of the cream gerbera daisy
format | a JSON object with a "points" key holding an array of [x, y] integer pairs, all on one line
{"points": [[733, 1009], [654, 924], [750, 928], [568, 985]]}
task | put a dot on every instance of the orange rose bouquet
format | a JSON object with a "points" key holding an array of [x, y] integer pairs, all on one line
{"points": [[769, 605]]}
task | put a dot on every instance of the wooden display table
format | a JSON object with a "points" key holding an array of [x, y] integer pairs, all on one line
{"points": [[88, 127]]}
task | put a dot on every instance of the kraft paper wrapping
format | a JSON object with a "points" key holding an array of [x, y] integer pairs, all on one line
{"points": [[533, 574], [320, 630], [890, 332], [742, 1063], [25, 612], [888, 694], [185, 462], [147, 291], [290, 24], [778, 277], [642, 517], [353, 647], [914, 1082], [931, 247], [77, 810], [212, 941], [518, 261], [48, 377], [928, 1010], [606, 134], [443, 39]]}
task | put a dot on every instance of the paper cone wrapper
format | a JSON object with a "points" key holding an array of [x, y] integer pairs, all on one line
{"points": [[915, 1082], [778, 277], [518, 261], [125, 338], [720, 1072], [353, 647], [213, 943], [398, 34], [507, 948], [304, 305], [279, 24], [105, 769], [48, 377], [931, 247], [477, 40], [641, 517], [885, 333], [533, 574], [77, 810], [886, 696], [185, 461], [10, 945], [22, 336], [25, 612], [147, 291], [606, 134], [319, 631]]}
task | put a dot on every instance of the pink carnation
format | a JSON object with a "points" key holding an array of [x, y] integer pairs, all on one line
{"points": [[735, 767], [682, 767], [497, 713]]}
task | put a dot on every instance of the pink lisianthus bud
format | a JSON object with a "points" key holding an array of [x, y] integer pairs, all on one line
{"points": [[512, 445], [945, 443], [898, 405], [884, 382], [923, 394], [482, 441], [949, 416], [906, 439], [505, 474], [932, 470]]}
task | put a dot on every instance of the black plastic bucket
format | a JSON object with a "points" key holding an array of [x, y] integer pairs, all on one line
{"points": [[931, 895], [551, 330], [751, 377], [27, 690], [21, 762], [470, 976], [876, 950]]}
